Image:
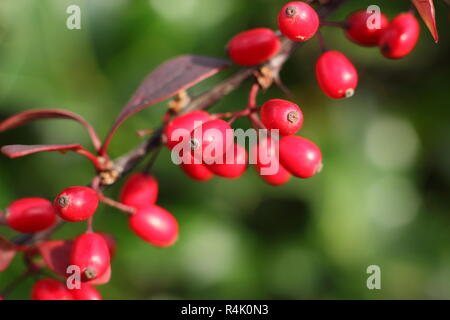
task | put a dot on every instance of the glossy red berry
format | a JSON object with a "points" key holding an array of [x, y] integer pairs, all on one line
{"points": [[361, 29], [266, 158], [253, 46], [185, 124], [336, 75], [197, 171], [211, 140], [232, 164], [30, 215], [76, 203], [298, 21], [86, 292], [139, 190], [282, 115], [50, 289], [300, 157], [155, 225], [400, 36], [90, 253]]}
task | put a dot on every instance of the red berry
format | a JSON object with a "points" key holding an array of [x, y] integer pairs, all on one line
{"points": [[110, 242], [30, 215], [211, 140], [197, 171], [360, 28], [282, 115], [267, 162], [298, 21], [155, 225], [50, 289], [400, 36], [232, 164], [91, 254], [253, 46], [86, 292], [300, 157], [139, 190], [185, 123], [76, 203], [336, 75]]}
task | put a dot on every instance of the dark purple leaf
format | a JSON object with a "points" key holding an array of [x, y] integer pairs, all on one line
{"points": [[19, 150], [7, 253], [171, 77], [31, 115], [427, 12]]}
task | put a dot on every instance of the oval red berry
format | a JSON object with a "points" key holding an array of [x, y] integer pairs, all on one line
{"points": [[76, 203], [282, 115], [86, 292], [365, 29], [182, 126], [30, 215], [155, 225], [336, 75], [139, 190], [400, 36], [253, 46], [50, 289], [90, 253], [232, 164], [300, 157], [298, 21]]}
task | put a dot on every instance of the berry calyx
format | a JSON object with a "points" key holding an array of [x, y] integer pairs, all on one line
{"points": [[400, 36], [76, 203], [253, 46], [300, 157], [211, 140], [362, 30], [30, 215], [140, 189], [298, 21], [336, 75], [155, 225], [50, 289], [86, 292], [185, 124], [90, 253], [232, 164], [266, 155], [282, 115]]}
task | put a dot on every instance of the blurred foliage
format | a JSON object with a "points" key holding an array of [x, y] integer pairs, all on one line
{"points": [[382, 198]]}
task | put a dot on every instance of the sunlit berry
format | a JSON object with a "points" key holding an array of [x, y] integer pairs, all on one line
{"points": [[155, 225], [253, 46], [182, 126], [50, 289], [76, 203], [300, 157], [362, 28], [282, 115], [336, 75], [139, 189], [232, 164], [298, 21], [30, 215]]}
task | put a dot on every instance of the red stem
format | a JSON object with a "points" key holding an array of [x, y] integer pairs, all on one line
{"points": [[91, 157]]}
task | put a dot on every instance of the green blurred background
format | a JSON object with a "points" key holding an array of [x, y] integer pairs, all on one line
{"points": [[382, 198]]}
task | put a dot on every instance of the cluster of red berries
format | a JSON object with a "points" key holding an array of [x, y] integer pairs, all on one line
{"points": [[336, 75], [276, 156], [295, 155]]}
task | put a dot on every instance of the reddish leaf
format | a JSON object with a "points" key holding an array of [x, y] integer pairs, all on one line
{"points": [[19, 150], [7, 253], [31, 115], [171, 77], [426, 11], [56, 255]]}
